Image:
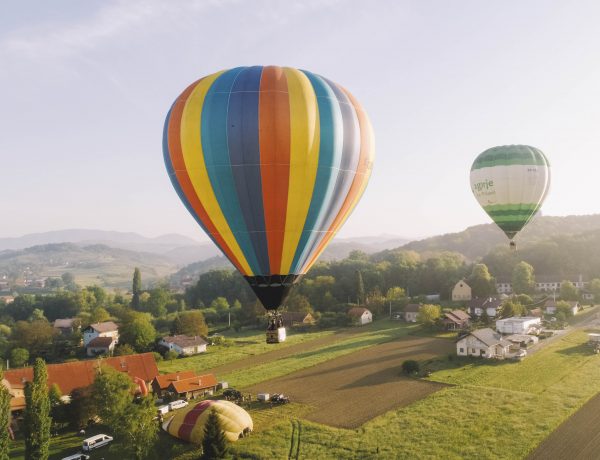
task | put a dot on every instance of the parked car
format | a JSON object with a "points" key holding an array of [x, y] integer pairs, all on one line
{"points": [[232, 394], [96, 441], [279, 399], [163, 409], [177, 404], [79, 456]]}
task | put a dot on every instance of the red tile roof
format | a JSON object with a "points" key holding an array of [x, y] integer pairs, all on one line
{"points": [[164, 380], [80, 374], [106, 326], [196, 383], [100, 342], [357, 311]]}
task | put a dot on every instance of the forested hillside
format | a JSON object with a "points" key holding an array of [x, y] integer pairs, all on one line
{"points": [[477, 241]]}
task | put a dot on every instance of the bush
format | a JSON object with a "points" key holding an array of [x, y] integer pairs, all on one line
{"points": [[157, 356], [410, 367]]}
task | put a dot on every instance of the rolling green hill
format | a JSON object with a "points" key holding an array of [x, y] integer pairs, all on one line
{"points": [[475, 242], [94, 264]]}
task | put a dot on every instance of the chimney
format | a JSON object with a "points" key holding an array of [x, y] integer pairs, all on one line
{"points": [[177, 377]]}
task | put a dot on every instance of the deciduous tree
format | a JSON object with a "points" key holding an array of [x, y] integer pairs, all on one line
{"points": [[429, 314], [523, 280], [36, 418]]}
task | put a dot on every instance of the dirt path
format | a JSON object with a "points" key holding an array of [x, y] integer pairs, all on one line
{"points": [[352, 389]]}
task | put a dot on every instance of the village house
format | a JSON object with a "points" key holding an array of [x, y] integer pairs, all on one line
{"points": [[456, 320], [411, 311], [550, 307], [360, 316], [161, 382], [66, 326], [79, 374], [544, 283], [490, 305], [483, 342], [184, 345], [519, 325], [193, 387], [294, 318], [461, 292], [105, 329], [100, 346]]}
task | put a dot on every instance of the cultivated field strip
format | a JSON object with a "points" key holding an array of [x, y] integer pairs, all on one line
{"points": [[347, 391], [578, 438]]}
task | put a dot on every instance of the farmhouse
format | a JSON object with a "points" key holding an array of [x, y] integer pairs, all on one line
{"points": [[295, 318], [461, 291], [360, 316], [184, 345], [66, 325], [161, 382], [483, 342], [190, 388], [550, 307], [518, 325], [411, 311], [488, 304], [100, 346], [79, 374], [105, 329], [456, 320]]}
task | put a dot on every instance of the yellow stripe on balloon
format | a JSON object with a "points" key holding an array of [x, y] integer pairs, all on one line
{"points": [[193, 155], [304, 159]]}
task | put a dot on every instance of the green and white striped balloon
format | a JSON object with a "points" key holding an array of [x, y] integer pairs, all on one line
{"points": [[511, 182]]}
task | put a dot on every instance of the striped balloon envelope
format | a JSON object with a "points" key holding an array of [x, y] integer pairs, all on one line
{"points": [[270, 161], [510, 183], [188, 424]]}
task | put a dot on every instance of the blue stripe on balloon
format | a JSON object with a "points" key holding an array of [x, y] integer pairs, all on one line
{"points": [[215, 146], [330, 155], [244, 153], [349, 163], [173, 177]]}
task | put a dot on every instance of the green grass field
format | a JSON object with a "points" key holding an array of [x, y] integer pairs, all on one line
{"points": [[491, 410], [494, 410]]}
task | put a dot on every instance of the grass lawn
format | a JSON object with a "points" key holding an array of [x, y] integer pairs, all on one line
{"points": [[378, 332], [494, 410], [245, 344], [69, 442]]}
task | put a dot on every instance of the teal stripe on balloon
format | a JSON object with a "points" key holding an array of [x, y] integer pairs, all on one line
{"points": [[218, 163], [330, 156]]}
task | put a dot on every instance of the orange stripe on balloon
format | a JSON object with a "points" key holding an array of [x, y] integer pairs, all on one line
{"points": [[363, 172], [274, 141], [176, 154]]}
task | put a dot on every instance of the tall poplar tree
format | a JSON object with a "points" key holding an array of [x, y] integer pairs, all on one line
{"points": [[360, 288], [4, 422], [136, 289], [36, 419]]}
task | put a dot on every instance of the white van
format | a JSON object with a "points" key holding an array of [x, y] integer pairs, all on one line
{"points": [[178, 404], [77, 457], [96, 441], [163, 409]]}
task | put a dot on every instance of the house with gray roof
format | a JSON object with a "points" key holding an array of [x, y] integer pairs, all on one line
{"points": [[486, 343]]}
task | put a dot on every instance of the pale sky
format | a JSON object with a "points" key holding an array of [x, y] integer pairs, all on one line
{"points": [[85, 87]]}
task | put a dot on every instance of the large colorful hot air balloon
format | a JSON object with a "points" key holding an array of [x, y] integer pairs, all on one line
{"points": [[270, 161], [511, 182], [188, 424]]}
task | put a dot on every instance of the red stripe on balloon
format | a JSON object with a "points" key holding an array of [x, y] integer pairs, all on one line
{"points": [[176, 154], [274, 140], [189, 420]]}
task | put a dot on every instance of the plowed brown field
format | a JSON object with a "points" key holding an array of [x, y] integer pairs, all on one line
{"points": [[348, 391], [578, 438]]}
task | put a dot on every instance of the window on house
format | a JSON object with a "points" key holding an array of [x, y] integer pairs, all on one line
{"points": [[462, 350], [472, 350]]}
